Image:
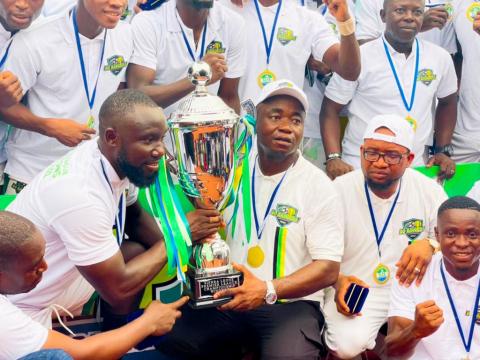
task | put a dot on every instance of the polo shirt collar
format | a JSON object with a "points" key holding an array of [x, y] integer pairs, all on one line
{"points": [[472, 282], [401, 197], [395, 53], [214, 20], [4, 36], [69, 32], [112, 175]]}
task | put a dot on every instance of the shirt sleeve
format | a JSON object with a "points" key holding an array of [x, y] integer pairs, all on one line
{"points": [[369, 24], [324, 225], [323, 37], [145, 42], [448, 81], [474, 193], [402, 302], [132, 195], [236, 54], [340, 90], [19, 334], [21, 61]]}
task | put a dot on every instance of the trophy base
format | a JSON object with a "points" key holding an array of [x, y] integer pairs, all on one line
{"points": [[203, 287]]}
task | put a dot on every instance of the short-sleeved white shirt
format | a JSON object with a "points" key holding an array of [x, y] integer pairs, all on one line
{"points": [[159, 43], [474, 192], [375, 92], [445, 343], [19, 333], [4, 41], [414, 217], [73, 206], [371, 26], [299, 33], [313, 225], [45, 59]]}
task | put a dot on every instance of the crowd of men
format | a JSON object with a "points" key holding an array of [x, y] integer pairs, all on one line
{"points": [[86, 87]]}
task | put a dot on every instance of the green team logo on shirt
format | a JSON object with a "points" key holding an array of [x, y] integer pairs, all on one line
{"points": [[285, 35], [426, 76], [285, 214], [215, 47], [412, 228], [473, 10], [115, 64], [58, 168]]}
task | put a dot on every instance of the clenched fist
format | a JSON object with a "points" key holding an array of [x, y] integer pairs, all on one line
{"points": [[428, 318], [10, 89], [219, 67], [339, 9], [476, 24]]}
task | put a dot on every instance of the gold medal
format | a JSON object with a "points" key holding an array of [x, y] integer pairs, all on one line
{"points": [[91, 122], [255, 257], [473, 10], [412, 122], [381, 274], [265, 77]]}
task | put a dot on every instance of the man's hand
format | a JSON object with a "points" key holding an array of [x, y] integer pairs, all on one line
{"points": [[428, 318], [434, 18], [163, 316], [204, 222], [318, 66], [341, 288], [68, 132], [136, 8], [337, 167], [413, 263], [10, 90], [249, 296], [218, 65], [339, 9], [476, 23], [447, 166]]}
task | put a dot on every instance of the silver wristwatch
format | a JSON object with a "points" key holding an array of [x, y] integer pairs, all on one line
{"points": [[271, 295]]}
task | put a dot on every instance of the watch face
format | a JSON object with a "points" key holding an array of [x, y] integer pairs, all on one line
{"points": [[271, 298]]}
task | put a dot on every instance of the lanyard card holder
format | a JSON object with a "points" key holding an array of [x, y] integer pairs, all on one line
{"points": [[151, 4], [355, 297]]}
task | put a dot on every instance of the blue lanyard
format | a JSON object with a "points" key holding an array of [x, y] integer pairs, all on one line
{"points": [[397, 80], [270, 202], [187, 43], [91, 100], [268, 44], [119, 216], [5, 56], [378, 237], [466, 344]]}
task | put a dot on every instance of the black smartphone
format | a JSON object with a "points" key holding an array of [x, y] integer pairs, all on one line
{"points": [[355, 297], [151, 4]]}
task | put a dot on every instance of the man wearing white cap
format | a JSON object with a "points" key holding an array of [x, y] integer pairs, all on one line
{"points": [[392, 211], [292, 252]]}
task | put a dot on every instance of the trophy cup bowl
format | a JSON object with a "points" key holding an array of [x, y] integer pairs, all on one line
{"points": [[204, 131]]}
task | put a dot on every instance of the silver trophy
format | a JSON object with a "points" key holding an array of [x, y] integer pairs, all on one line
{"points": [[204, 131]]}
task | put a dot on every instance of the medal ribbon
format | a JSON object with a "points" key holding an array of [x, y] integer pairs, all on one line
{"points": [[187, 43], [91, 100], [5, 56], [268, 44], [379, 237], [466, 343], [119, 217], [270, 202], [408, 106]]}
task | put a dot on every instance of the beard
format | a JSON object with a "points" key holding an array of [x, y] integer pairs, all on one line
{"points": [[135, 173], [380, 186], [202, 4]]}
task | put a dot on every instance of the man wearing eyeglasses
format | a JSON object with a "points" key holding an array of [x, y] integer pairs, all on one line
{"points": [[392, 211]]}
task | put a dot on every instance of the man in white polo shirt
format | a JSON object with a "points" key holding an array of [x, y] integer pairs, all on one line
{"points": [[394, 208], [434, 27], [292, 252], [440, 319], [169, 39], [400, 74], [281, 36], [64, 91]]}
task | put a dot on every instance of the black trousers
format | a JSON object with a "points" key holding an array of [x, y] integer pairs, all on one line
{"points": [[281, 331]]}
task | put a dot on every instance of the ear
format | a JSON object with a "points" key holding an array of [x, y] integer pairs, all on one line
{"points": [[111, 137], [361, 151], [410, 158], [437, 234], [382, 15]]}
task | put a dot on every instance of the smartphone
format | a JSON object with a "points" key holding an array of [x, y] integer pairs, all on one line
{"points": [[151, 4], [355, 297]]}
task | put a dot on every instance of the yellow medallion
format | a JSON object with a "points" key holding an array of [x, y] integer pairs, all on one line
{"points": [[473, 10], [265, 77], [381, 274], [255, 257], [91, 122], [412, 122]]}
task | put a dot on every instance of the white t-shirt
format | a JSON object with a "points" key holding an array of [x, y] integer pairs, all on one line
{"points": [[414, 217], [468, 122], [375, 91], [299, 33], [55, 86], [474, 192], [73, 206], [371, 26], [159, 43], [20, 335], [4, 41], [445, 343], [304, 223]]}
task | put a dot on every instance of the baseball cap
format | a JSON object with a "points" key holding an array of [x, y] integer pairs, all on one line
{"points": [[283, 87], [403, 131]]}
